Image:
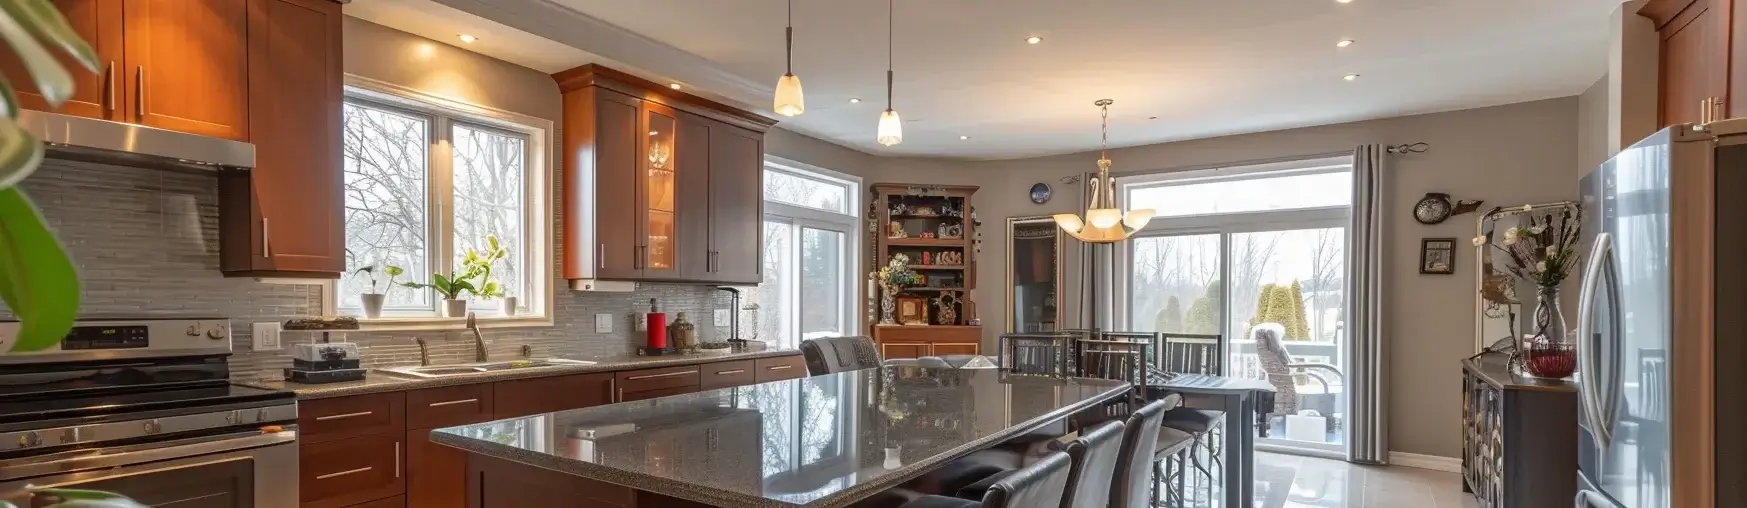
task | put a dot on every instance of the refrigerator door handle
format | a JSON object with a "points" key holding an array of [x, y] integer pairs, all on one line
{"points": [[1587, 371], [1610, 409], [1590, 499]]}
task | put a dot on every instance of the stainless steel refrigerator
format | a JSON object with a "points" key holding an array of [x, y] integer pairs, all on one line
{"points": [[1661, 324]]}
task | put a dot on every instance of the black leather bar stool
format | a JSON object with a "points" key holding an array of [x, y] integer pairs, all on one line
{"points": [[1133, 483], [1094, 455], [1039, 485]]}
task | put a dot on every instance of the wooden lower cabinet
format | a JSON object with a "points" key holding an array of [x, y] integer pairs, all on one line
{"points": [[392, 502], [438, 481], [897, 341], [945, 348], [895, 350], [780, 368], [350, 471]]}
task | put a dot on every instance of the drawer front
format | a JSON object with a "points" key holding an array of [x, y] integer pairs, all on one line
{"points": [[779, 368], [349, 471], [448, 406], [948, 348], [527, 397], [656, 379], [656, 393], [393, 502], [727, 374], [344, 417], [949, 334], [899, 350]]}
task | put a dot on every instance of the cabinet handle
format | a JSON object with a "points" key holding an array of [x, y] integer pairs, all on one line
{"points": [[642, 256], [109, 88], [453, 402], [779, 367], [139, 92], [653, 376], [361, 469], [266, 235], [600, 257], [344, 416], [397, 459], [727, 372], [1717, 110]]}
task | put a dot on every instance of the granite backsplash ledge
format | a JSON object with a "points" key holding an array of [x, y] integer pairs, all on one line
{"points": [[146, 245]]}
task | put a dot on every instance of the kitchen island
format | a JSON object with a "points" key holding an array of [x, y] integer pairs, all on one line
{"points": [[824, 441]]}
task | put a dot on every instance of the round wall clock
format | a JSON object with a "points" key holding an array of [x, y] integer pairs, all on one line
{"points": [[1040, 193], [1434, 208]]}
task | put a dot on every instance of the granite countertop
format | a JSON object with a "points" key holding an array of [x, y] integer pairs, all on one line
{"points": [[823, 441], [378, 382], [1492, 369]]}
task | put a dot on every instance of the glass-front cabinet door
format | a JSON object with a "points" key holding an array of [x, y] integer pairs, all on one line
{"points": [[660, 250]]}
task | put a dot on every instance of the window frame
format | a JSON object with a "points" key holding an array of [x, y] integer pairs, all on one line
{"points": [[801, 218], [536, 260]]}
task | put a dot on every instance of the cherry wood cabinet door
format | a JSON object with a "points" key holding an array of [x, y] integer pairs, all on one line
{"points": [[1694, 63], [95, 94], [186, 65], [284, 217], [736, 204], [890, 350], [615, 150], [350, 471], [658, 188], [692, 154], [438, 478], [952, 348]]}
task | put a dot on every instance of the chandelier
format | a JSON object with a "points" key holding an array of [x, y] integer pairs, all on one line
{"points": [[1104, 222]]}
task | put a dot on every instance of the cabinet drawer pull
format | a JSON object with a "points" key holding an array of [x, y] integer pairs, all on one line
{"points": [[728, 372], [344, 416], [453, 402], [139, 92], [600, 257], [359, 470], [266, 235], [397, 459], [779, 367], [109, 87], [653, 376]]}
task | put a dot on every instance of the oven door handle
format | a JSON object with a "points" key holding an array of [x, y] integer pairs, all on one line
{"points": [[80, 460]]}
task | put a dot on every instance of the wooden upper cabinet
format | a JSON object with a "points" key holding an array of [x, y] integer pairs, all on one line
{"points": [[658, 185], [95, 94], [736, 205], [283, 218], [186, 65]]}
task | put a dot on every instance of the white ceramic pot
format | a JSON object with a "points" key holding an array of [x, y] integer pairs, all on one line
{"points": [[372, 304], [455, 308], [510, 305]]}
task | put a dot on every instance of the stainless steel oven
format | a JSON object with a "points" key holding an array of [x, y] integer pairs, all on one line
{"points": [[241, 470]]}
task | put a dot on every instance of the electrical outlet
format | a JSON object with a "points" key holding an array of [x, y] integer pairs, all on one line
{"points": [[640, 321], [603, 323], [721, 318], [266, 336]]}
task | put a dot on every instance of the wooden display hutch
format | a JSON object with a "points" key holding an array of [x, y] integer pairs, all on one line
{"points": [[935, 227]]}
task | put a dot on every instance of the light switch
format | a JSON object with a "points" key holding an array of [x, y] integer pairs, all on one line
{"points": [[603, 323], [721, 318], [266, 336]]}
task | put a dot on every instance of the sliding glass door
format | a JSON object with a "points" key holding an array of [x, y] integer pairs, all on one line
{"points": [[1234, 251]]}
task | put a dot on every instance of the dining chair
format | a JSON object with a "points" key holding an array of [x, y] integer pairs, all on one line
{"points": [[1120, 356], [1037, 354], [1278, 366], [1184, 353], [1094, 463], [1134, 483], [831, 355], [1038, 485]]}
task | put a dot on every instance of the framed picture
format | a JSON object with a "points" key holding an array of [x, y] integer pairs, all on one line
{"points": [[912, 310], [1437, 256]]}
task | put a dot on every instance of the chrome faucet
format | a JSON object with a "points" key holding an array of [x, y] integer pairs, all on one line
{"points": [[479, 354], [424, 352]]}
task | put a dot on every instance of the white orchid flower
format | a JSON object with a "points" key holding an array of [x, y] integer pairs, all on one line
{"points": [[1479, 241], [1541, 266], [1551, 250]]}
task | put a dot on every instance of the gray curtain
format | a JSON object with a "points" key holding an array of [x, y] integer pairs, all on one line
{"points": [[1368, 430]]}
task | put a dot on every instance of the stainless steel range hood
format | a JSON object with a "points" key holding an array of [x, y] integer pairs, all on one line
{"points": [[125, 144]]}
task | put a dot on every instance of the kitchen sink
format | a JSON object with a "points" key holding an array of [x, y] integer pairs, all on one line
{"points": [[468, 369]]}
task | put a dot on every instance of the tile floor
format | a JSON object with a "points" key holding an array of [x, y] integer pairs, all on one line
{"points": [[1286, 481]]}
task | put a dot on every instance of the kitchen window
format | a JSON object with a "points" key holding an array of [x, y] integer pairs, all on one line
{"points": [[426, 181], [810, 247]]}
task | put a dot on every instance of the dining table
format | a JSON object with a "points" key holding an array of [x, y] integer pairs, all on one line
{"points": [[825, 441], [1244, 401]]}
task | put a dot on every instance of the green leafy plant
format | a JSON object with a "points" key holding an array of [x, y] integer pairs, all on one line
{"points": [[450, 288], [37, 279], [370, 271], [480, 263]]}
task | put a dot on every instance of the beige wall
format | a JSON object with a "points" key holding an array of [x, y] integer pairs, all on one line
{"points": [[1592, 127], [1512, 154], [392, 56]]}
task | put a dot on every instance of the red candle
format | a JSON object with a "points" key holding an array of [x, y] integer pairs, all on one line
{"points": [[657, 329]]}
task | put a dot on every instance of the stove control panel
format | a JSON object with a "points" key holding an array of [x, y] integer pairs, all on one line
{"points": [[106, 337], [103, 339]]}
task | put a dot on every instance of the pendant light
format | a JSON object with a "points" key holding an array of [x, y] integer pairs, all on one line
{"points": [[891, 130], [1104, 222], [789, 101]]}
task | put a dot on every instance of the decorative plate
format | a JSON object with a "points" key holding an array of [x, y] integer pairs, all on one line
{"points": [[1040, 193]]}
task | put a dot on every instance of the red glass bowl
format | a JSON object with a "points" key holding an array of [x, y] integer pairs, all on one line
{"points": [[1551, 359]]}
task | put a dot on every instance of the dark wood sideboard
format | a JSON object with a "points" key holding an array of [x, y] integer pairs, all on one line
{"points": [[1519, 437]]}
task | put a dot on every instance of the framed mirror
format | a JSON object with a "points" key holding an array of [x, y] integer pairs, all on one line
{"points": [[1499, 312], [1034, 274]]}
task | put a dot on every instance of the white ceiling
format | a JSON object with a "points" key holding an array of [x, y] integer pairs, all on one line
{"points": [[1203, 68]]}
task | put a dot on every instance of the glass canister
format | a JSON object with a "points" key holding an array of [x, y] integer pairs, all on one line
{"points": [[682, 333]]}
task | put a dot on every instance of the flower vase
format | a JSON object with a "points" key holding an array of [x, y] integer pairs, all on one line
{"points": [[888, 308], [455, 308], [510, 304], [372, 304], [1550, 352]]}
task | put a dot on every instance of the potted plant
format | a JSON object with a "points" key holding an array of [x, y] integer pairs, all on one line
{"points": [[373, 300], [450, 288], [1544, 252], [481, 262]]}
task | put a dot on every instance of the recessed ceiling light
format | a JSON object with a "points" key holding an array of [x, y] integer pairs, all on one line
{"points": [[1344, 1], [674, 86], [1344, 43], [1351, 77], [964, 137], [1033, 39], [467, 38], [855, 100]]}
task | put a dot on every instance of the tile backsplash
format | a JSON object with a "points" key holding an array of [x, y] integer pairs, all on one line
{"points": [[146, 244]]}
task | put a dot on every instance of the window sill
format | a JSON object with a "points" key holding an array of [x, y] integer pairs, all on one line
{"points": [[434, 323]]}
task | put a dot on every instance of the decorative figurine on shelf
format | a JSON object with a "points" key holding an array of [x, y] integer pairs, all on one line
{"points": [[892, 278], [949, 258], [894, 229], [949, 210], [928, 234], [925, 258], [925, 211], [947, 302], [899, 209], [951, 230]]}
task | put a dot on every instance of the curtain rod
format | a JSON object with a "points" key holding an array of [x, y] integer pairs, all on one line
{"points": [[1415, 147]]}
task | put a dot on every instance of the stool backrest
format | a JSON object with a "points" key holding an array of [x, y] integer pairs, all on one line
{"points": [[831, 355], [1094, 455], [1131, 487], [1039, 485]]}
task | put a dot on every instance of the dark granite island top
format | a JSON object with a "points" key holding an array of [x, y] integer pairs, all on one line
{"points": [[824, 441]]}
